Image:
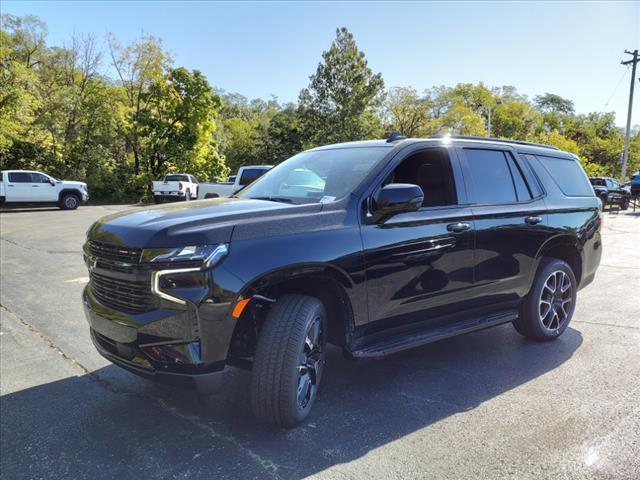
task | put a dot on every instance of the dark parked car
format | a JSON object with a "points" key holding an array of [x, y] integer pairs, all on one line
{"points": [[610, 191], [385, 246]]}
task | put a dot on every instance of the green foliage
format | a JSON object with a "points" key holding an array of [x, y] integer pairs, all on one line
{"points": [[60, 113], [343, 97]]}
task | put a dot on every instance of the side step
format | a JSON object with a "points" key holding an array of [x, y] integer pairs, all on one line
{"points": [[394, 344]]}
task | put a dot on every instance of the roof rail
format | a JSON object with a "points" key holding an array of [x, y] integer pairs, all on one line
{"points": [[491, 139], [393, 136]]}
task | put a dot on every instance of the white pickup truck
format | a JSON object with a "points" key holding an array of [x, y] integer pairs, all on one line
{"points": [[28, 186], [176, 186], [244, 177]]}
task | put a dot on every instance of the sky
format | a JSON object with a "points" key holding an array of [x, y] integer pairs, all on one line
{"points": [[259, 49]]}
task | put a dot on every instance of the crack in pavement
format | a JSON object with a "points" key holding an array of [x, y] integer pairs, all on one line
{"points": [[270, 467], [604, 324], [52, 252], [618, 266]]}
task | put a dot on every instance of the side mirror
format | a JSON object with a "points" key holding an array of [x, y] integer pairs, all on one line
{"points": [[396, 198]]}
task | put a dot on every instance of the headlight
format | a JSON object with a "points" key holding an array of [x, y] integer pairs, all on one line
{"points": [[177, 284], [208, 255]]}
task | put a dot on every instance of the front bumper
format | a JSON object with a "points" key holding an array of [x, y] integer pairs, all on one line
{"points": [[204, 382], [183, 345]]}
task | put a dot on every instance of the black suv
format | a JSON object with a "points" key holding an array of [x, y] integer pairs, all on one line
{"points": [[375, 246], [608, 190]]}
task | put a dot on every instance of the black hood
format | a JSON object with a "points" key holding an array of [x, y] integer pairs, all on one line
{"points": [[204, 222]]}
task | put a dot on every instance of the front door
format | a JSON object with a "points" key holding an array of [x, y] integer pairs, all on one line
{"points": [[43, 188], [419, 265]]}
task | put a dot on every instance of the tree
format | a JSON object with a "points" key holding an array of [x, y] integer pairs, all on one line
{"points": [[284, 136], [551, 103], [343, 97], [138, 66], [407, 112]]}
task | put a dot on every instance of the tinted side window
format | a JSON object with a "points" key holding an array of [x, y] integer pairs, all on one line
{"points": [[568, 175], [490, 176], [525, 163], [522, 189], [20, 177], [250, 175]]}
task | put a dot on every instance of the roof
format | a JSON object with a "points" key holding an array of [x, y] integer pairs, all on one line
{"points": [[453, 139]]}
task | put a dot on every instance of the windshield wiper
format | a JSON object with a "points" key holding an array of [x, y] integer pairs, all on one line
{"points": [[273, 199]]}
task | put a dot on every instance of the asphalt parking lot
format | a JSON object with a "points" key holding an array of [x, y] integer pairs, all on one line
{"points": [[485, 405]]}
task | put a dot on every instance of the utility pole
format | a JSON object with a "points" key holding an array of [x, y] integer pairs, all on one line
{"points": [[625, 152]]}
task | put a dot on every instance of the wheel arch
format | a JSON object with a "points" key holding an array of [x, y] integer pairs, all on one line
{"points": [[71, 191], [563, 247], [327, 283]]}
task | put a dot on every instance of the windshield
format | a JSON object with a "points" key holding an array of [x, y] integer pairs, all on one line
{"points": [[314, 176]]}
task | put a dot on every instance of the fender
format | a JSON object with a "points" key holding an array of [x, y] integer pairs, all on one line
{"points": [[561, 240], [312, 273], [73, 191]]}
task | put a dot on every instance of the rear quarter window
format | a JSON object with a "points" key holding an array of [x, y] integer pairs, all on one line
{"points": [[568, 175]]}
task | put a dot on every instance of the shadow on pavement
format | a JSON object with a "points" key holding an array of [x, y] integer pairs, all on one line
{"points": [[33, 209], [111, 424]]}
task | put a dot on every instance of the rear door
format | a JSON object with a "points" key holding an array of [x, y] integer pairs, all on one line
{"points": [[510, 221], [19, 187]]}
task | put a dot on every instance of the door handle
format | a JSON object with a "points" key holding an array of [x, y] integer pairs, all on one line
{"points": [[533, 220], [458, 227], [34, 186]]}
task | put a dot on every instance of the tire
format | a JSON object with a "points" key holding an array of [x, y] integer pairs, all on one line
{"points": [[187, 195], [603, 199], [211, 195], [535, 321], [624, 204], [282, 392], [69, 201], [157, 200]]}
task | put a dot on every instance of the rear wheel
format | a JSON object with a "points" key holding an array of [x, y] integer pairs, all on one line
{"points": [[69, 201], [289, 360], [187, 195], [547, 310], [157, 200]]}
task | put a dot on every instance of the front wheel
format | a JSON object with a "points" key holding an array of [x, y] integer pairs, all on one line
{"points": [[289, 360], [549, 306], [69, 201]]}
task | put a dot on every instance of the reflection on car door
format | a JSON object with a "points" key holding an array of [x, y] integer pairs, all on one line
{"points": [[418, 264], [510, 220]]}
